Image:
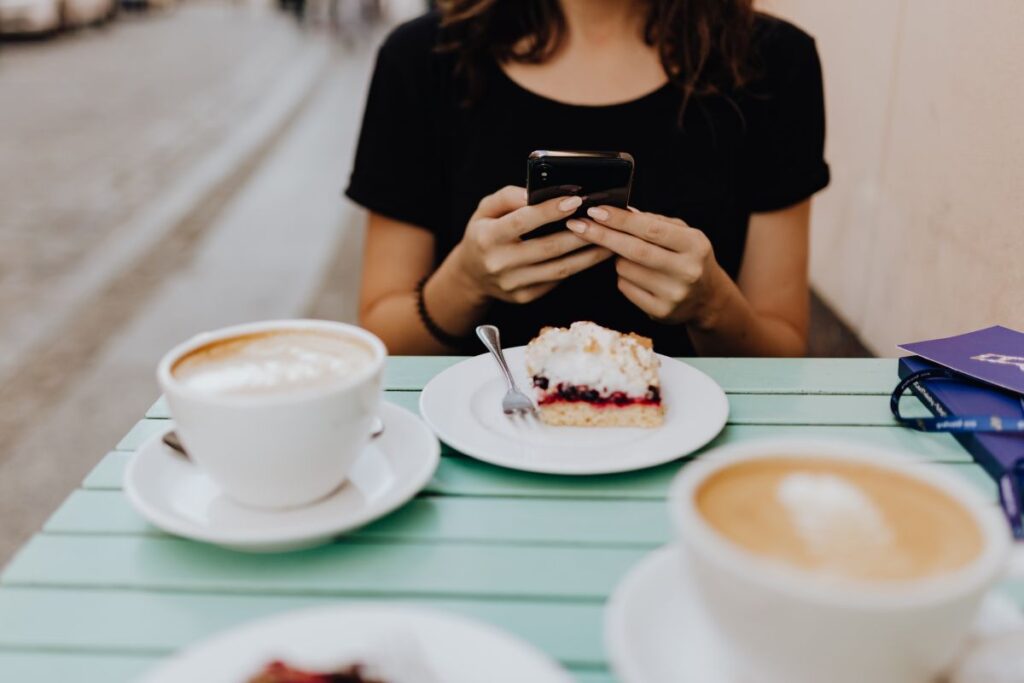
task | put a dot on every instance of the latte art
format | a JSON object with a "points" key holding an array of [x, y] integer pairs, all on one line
{"points": [[272, 362], [840, 519], [836, 521]]}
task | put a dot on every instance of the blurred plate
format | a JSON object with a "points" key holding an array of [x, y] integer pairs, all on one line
{"points": [[434, 646]]}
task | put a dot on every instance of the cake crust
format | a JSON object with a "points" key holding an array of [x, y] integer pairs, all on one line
{"points": [[583, 414]]}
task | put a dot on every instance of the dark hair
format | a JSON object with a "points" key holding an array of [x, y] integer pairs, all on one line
{"points": [[704, 45]]}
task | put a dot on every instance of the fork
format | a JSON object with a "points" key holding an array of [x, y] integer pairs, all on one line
{"points": [[515, 402]]}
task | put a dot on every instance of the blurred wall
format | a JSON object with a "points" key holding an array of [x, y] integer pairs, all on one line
{"points": [[921, 233]]}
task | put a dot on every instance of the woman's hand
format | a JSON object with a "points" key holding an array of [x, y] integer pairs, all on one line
{"points": [[496, 263], [665, 267]]}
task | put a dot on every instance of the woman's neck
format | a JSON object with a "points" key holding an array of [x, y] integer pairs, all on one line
{"points": [[602, 59], [598, 22]]}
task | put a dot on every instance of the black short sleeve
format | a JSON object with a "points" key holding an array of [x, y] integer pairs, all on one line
{"points": [[395, 172], [784, 151]]}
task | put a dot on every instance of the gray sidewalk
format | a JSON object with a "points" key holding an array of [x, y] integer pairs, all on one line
{"points": [[248, 230]]}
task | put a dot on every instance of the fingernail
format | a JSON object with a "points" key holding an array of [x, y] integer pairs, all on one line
{"points": [[576, 225], [569, 203], [597, 213]]}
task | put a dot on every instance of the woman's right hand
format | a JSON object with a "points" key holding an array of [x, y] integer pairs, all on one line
{"points": [[500, 265]]}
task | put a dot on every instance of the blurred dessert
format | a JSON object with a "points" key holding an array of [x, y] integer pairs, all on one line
{"points": [[279, 672], [590, 376]]}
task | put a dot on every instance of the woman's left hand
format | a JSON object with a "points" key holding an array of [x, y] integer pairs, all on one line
{"points": [[665, 267]]}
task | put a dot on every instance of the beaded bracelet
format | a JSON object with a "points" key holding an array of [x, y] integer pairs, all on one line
{"points": [[449, 340]]}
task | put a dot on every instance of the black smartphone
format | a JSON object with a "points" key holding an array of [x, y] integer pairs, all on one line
{"points": [[598, 177]]}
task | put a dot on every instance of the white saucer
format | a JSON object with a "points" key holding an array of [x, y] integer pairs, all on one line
{"points": [[463, 407], [655, 629], [437, 647], [173, 493]]}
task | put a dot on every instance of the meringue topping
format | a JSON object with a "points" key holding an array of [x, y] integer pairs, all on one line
{"points": [[586, 354]]}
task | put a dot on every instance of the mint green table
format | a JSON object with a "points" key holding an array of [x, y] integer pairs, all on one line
{"points": [[99, 595]]}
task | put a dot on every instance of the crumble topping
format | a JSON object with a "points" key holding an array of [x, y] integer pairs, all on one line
{"points": [[597, 358]]}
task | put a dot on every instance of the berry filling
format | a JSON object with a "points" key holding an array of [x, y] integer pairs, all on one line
{"points": [[571, 393], [279, 672]]}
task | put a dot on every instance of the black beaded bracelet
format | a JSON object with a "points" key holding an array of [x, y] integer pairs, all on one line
{"points": [[449, 340]]}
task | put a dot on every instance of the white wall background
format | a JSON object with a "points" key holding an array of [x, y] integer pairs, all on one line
{"points": [[921, 233]]}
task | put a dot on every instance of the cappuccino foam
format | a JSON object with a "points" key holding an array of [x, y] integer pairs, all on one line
{"points": [[272, 362], [840, 518]]}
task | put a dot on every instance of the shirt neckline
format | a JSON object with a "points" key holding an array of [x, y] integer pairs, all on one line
{"points": [[515, 85]]}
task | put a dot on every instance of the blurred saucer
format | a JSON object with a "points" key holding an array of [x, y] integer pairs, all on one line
{"points": [[655, 629], [173, 494]]}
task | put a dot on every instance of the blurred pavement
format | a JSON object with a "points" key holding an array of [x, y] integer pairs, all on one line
{"points": [[172, 173]]}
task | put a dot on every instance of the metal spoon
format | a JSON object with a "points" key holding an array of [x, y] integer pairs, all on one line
{"points": [[171, 438]]}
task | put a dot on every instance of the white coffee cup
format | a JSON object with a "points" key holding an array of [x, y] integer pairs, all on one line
{"points": [[277, 449], [784, 625]]}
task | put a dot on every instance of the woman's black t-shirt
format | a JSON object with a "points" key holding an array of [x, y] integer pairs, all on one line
{"points": [[426, 159]]}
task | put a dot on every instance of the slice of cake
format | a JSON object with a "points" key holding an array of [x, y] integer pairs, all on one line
{"points": [[590, 376]]}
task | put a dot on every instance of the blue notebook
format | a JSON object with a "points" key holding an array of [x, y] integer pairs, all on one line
{"points": [[995, 452], [1000, 454]]}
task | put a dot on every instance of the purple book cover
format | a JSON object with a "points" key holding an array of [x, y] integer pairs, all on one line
{"points": [[994, 355], [997, 453]]}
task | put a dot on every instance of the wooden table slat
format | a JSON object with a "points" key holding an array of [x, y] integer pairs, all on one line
{"points": [[108, 472], [631, 523], [458, 475], [160, 622], [139, 433], [534, 519], [61, 667], [345, 568]]}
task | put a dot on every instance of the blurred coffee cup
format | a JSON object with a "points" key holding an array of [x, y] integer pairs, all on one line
{"points": [[818, 561]]}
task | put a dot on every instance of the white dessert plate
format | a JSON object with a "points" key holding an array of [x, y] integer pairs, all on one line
{"points": [[655, 629], [173, 494], [463, 407], [434, 647]]}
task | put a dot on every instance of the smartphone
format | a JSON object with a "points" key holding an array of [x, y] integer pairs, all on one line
{"points": [[598, 177]]}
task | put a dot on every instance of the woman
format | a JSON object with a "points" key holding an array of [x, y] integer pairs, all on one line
{"points": [[721, 109]]}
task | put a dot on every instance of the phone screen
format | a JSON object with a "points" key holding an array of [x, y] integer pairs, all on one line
{"points": [[598, 177]]}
